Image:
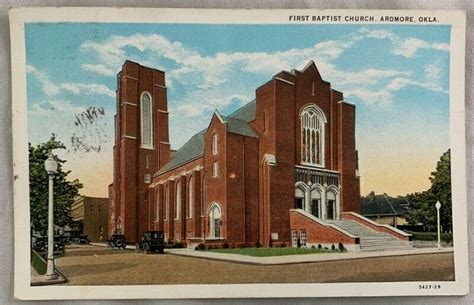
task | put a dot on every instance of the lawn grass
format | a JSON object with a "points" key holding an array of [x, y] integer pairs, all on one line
{"points": [[273, 251], [38, 263]]}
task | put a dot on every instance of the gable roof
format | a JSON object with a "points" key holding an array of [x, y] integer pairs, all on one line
{"points": [[237, 123], [383, 205]]}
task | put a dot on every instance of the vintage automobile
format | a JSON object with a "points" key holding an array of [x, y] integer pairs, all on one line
{"points": [[81, 239], [117, 241], [151, 241], [40, 244]]}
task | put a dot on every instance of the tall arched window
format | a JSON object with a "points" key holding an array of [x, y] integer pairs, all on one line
{"points": [[157, 207], [177, 202], [189, 211], [167, 202], [146, 119], [215, 140], [313, 123], [215, 214]]}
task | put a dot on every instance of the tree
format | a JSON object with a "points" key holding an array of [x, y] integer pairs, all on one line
{"points": [[422, 207], [64, 191]]}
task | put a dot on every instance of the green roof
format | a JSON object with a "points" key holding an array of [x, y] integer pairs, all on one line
{"points": [[237, 123], [379, 205], [239, 127], [245, 113]]}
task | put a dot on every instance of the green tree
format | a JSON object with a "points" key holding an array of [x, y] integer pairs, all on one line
{"points": [[422, 207], [64, 191]]}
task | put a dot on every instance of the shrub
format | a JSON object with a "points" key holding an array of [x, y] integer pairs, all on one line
{"points": [[319, 246], [333, 247], [282, 245], [226, 245], [258, 245], [341, 248], [179, 245], [200, 247], [313, 247]]}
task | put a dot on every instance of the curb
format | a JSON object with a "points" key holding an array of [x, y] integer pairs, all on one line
{"points": [[255, 260]]}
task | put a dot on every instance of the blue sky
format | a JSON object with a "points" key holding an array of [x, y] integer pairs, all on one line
{"points": [[398, 77]]}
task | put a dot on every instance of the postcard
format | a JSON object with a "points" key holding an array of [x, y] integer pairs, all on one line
{"points": [[201, 153]]}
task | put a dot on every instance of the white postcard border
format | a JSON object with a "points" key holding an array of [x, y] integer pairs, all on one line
{"points": [[24, 291]]}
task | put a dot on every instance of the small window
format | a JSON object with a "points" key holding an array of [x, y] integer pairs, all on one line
{"points": [[214, 144], [92, 208], [215, 169], [294, 238], [100, 207], [303, 238]]}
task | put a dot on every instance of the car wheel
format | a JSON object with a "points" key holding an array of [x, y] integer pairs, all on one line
{"points": [[119, 244]]}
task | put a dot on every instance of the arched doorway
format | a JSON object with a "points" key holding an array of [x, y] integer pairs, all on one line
{"points": [[316, 202], [299, 198], [331, 205]]}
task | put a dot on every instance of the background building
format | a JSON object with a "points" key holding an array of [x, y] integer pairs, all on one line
{"points": [[385, 209], [90, 217]]}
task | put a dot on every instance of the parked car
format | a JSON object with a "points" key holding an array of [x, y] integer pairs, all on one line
{"points": [[40, 244], [151, 241], [117, 241], [81, 239]]}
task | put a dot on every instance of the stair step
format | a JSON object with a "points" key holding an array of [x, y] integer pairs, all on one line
{"points": [[371, 240]]}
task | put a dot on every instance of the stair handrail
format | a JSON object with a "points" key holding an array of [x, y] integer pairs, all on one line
{"points": [[405, 234], [333, 226]]}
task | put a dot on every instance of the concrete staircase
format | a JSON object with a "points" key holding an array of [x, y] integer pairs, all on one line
{"points": [[371, 240]]}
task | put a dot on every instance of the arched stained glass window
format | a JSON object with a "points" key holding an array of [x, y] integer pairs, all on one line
{"points": [[313, 123], [215, 214], [146, 120], [177, 202], [189, 211]]}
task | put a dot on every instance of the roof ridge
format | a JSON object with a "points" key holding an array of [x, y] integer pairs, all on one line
{"points": [[388, 201], [241, 108]]}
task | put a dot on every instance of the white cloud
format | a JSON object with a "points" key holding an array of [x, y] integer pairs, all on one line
{"points": [[99, 69], [433, 72], [47, 86], [54, 107], [404, 47], [206, 72], [197, 107], [399, 83], [51, 89], [79, 88], [372, 97]]}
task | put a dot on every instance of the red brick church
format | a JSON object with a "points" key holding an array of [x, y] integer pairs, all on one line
{"points": [[281, 170]]}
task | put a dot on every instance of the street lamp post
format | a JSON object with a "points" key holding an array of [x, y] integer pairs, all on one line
{"points": [[51, 167], [438, 206]]}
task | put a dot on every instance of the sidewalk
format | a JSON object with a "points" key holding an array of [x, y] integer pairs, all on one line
{"points": [[39, 280], [297, 259]]}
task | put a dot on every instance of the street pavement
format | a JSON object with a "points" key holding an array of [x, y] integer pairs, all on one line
{"points": [[95, 265]]}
